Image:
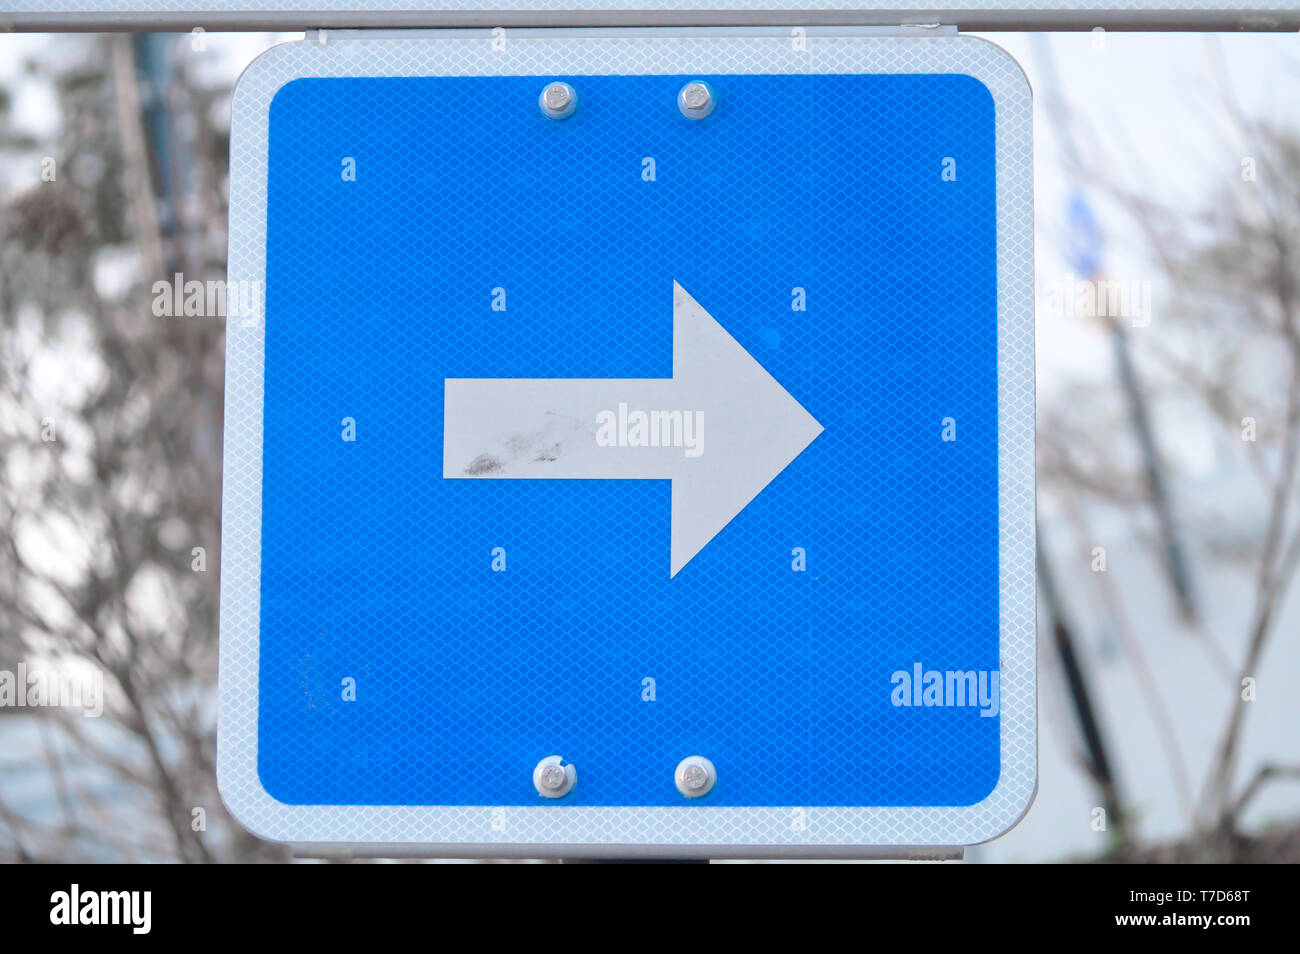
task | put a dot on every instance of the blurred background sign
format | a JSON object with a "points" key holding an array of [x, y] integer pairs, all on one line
{"points": [[966, 14]]}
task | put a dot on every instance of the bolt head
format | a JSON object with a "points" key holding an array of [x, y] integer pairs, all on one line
{"points": [[553, 779], [557, 96], [696, 96], [558, 101], [696, 100], [695, 776]]}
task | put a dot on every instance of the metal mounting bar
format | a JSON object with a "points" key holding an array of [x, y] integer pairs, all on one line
{"points": [[968, 15]]}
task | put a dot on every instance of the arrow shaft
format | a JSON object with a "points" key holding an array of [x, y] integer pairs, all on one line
{"points": [[568, 428]]}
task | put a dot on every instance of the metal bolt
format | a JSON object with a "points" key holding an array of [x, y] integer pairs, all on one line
{"points": [[695, 776], [553, 779], [696, 100], [558, 101]]}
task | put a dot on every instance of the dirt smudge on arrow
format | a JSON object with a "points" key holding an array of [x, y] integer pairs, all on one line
{"points": [[484, 464]]}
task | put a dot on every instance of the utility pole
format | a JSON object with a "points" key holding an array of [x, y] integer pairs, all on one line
{"points": [[1095, 749]]}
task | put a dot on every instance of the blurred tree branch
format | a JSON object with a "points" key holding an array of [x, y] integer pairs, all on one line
{"points": [[100, 523], [1230, 340]]}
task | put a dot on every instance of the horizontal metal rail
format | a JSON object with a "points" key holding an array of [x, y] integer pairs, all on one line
{"points": [[977, 15]]}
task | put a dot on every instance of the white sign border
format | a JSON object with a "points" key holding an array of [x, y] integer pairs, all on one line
{"points": [[688, 830]]}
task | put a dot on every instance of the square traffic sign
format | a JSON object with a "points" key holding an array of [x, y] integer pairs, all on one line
{"points": [[644, 420]]}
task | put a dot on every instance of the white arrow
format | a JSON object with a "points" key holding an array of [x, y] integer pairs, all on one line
{"points": [[735, 430]]}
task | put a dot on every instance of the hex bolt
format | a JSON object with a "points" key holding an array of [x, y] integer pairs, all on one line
{"points": [[697, 100], [558, 101], [554, 779], [695, 776]]}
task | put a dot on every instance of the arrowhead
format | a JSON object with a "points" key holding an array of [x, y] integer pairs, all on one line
{"points": [[753, 428]]}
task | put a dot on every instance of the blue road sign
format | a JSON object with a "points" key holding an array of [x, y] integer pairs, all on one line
{"points": [[684, 411]]}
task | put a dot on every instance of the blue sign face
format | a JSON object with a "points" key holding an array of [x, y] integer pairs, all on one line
{"points": [[459, 287]]}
